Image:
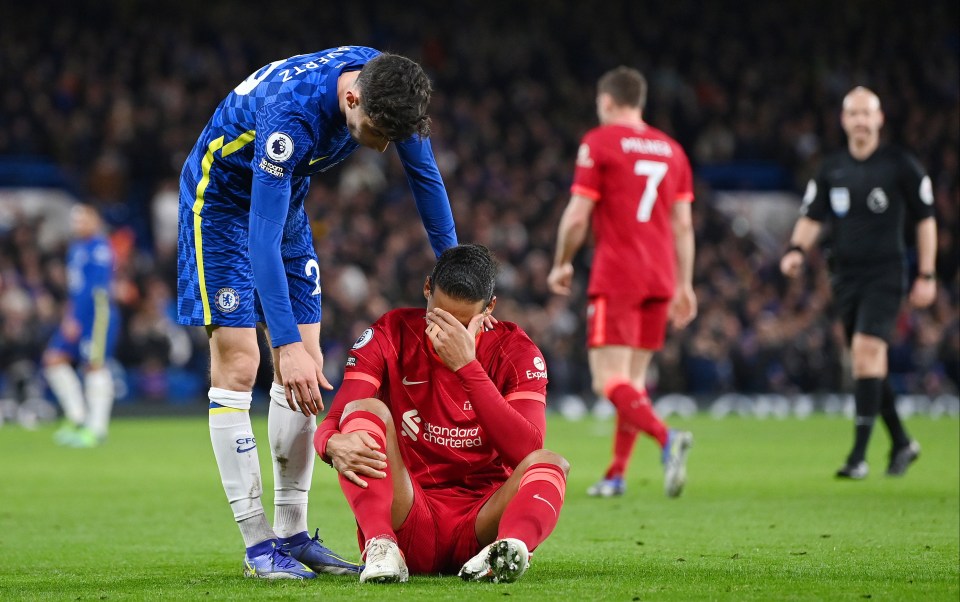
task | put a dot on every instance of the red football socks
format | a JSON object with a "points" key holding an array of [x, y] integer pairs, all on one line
{"points": [[623, 440], [533, 512], [371, 506], [635, 408]]}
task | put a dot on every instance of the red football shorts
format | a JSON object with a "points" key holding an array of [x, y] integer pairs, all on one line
{"points": [[622, 321], [439, 535]]}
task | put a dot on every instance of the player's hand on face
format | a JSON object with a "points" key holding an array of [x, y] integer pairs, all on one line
{"points": [[454, 343], [683, 307], [560, 279], [357, 453], [302, 379], [791, 263], [923, 293]]}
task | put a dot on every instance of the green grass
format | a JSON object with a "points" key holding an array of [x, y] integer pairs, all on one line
{"points": [[145, 518]]}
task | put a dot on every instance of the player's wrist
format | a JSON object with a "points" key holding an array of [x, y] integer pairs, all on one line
{"points": [[797, 249]]}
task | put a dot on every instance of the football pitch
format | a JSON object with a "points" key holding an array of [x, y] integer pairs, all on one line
{"points": [[145, 518]]}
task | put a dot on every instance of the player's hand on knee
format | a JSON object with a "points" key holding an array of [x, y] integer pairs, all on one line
{"points": [[301, 377], [355, 454]]}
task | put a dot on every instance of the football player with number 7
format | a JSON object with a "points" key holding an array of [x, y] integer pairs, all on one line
{"points": [[634, 183], [247, 257]]}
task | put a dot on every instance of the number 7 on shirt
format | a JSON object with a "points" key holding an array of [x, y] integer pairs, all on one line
{"points": [[654, 172]]}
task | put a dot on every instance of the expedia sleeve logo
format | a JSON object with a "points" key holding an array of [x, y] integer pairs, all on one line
{"points": [[541, 369]]}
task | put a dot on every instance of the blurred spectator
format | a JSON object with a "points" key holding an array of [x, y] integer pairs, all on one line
{"points": [[115, 93]]}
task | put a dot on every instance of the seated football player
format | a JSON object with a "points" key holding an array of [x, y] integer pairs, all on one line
{"points": [[437, 435]]}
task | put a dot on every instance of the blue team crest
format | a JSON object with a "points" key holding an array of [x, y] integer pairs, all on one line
{"points": [[227, 300], [840, 201]]}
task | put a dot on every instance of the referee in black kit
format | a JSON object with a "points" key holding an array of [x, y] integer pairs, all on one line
{"points": [[866, 193]]}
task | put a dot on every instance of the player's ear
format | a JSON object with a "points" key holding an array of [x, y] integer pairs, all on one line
{"points": [[352, 97], [426, 289], [489, 308]]}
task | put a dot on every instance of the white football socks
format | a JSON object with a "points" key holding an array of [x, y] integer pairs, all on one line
{"points": [[291, 445], [236, 450], [99, 385], [65, 384]]}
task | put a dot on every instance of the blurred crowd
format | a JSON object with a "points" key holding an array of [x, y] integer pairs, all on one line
{"points": [[115, 94]]}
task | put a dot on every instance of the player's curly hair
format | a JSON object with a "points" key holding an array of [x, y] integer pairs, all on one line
{"points": [[466, 273], [395, 93]]}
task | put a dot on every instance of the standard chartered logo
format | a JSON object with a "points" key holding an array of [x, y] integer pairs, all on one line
{"points": [[454, 437]]}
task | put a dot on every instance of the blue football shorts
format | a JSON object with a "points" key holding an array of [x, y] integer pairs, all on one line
{"points": [[215, 279], [97, 341]]}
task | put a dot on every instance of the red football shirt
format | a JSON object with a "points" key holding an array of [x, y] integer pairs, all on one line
{"points": [[634, 174], [447, 437]]}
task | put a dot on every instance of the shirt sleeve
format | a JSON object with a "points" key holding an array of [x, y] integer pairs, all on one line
{"points": [[283, 139], [515, 424], [587, 174], [511, 405], [362, 378], [917, 188], [100, 268], [684, 178], [815, 204], [428, 192]]}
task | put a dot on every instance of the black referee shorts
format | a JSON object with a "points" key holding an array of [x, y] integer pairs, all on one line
{"points": [[867, 299]]}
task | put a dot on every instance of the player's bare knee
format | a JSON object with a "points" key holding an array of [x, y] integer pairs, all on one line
{"points": [[51, 359], [545, 456], [238, 372], [372, 405]]}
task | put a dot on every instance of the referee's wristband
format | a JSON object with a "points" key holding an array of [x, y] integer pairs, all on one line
{"points": [[927, 276], [796, 248]]}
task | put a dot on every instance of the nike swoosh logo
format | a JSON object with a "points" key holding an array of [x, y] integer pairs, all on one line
{"points": [[312, 161], [536, 496], [413, 382], [241, 450]]}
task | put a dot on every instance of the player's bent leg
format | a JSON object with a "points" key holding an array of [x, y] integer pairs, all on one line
{"points": [[381, 507], [518, 518]]}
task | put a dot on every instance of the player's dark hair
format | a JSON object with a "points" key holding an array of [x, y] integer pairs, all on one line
{"points": [[466, 273], [626, 86], [395, 93]]}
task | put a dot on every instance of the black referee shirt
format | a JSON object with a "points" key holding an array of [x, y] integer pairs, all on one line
{"points": [[866, 203]]}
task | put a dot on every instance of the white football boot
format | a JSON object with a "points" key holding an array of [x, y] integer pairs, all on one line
{"points": [[503, 561], [384, 562]]}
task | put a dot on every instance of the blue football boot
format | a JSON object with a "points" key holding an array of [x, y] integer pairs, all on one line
{"points": [[675, 461], [268, 560], [312, 552]]}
